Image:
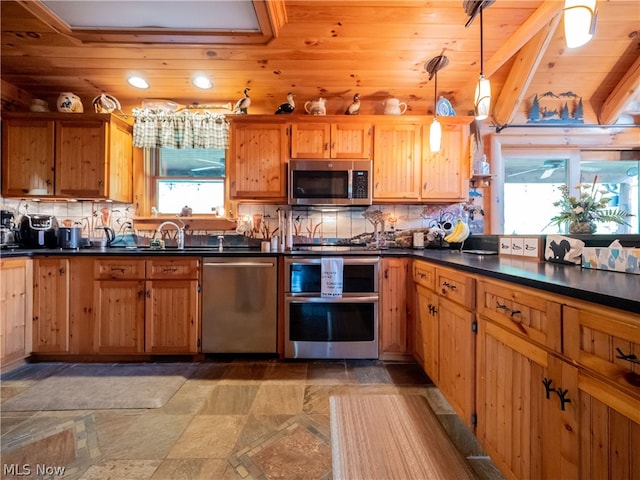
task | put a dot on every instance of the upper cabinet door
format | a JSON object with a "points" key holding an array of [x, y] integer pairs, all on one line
{"points": [[445, 174], [351, 140], [323, 139], [28, 157], [81, 154], [257, 160], [396, 161], [310, 140]]}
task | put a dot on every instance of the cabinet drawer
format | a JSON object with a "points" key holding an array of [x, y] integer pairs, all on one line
{"points": [[116, 268], [523, 311], [178, 268], [456, 287], [606, 341], [424, 274]]}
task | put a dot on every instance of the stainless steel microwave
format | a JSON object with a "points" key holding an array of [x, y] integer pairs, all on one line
{"points": [[330, 182]]}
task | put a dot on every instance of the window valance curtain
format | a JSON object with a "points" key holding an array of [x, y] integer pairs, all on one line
{"points": [[185, 129]]}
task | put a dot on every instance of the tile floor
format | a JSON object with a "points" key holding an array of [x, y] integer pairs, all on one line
{"points": [[240, 419]]}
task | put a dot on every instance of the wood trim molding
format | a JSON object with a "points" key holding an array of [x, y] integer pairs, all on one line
{"points": [[626, 90], [271, 17]]}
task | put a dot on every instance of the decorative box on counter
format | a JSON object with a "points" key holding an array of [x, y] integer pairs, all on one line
{"points": [[521, 246], [626, 260]]}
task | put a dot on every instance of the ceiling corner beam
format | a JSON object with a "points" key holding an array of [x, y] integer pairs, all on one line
{"points": [[522, 72], [625, 91], [272, 16], [545, 13]]}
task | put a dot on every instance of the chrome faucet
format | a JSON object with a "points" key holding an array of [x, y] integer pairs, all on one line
{"points": [[180, 238]]}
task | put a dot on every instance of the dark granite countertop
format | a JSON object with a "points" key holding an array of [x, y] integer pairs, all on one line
{"points": [[612, 289]]}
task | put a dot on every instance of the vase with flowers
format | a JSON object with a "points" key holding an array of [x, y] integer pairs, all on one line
{"points": [[583, 212]]}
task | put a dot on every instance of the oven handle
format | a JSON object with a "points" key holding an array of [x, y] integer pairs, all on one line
{"points": [[237, 264], [360, 299]]}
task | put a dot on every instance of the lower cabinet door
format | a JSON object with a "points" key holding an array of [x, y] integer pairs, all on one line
{"points": [[456, 344], [609, 431], [172, 316], [427, 301], [51, 305], [527, 407], [119, 316]]}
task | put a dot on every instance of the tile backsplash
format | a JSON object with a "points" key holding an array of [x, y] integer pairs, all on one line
{"points": [[312, 225]]}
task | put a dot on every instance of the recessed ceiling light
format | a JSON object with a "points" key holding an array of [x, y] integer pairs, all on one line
{"points": [[201, 81], [138, 82]]}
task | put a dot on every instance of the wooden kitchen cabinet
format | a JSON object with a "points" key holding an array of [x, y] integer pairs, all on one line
{"points": [[446, 323], [427, 338], [67, 156], [119, 292], [172, 306], [51, 305], [523, 311], [28, 157], [522, 427], [605, 341], [15, 309], [256, 159], [396, 161], [343, 139], [147, 306], [445, 174], [393, 317]]}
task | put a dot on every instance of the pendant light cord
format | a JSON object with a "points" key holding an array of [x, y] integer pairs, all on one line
{"points": [[481, 44]]}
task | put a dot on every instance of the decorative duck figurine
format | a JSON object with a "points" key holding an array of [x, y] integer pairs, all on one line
{"points": [[354, 108], [288, 107], [242, 105]]}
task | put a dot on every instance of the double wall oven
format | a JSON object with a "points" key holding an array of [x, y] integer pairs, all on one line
{"points": [[342, 327]]}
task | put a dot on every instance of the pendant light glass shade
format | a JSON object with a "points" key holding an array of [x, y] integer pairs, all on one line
{"points": [[482, 98], [435, 135], [579, 21]]}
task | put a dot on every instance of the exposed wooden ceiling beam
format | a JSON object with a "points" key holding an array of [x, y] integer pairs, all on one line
{"points": [[536, 22], [626, 90], [522, 72]]}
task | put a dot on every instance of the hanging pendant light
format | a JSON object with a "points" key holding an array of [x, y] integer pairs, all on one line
{"points": [[435, 131], [482, 98], [579, 21]]}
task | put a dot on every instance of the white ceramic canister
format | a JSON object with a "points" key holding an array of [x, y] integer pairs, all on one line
{"points": [[69, 103], [418, 240]]}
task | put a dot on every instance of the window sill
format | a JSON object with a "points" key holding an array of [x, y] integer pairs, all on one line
{"points": [[195, 223]]}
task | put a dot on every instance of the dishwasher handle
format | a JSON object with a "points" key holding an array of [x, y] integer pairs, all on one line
{"points": [[238, 264]]}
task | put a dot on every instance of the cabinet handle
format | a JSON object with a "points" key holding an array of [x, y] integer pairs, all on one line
{"points": [[628, 357], [507, 309], [117, 269], [449, 286], [432, 309], [547, 386], [562, 394], [170, 269], [61, 271]]}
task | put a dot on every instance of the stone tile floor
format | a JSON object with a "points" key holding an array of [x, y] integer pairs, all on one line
{"points": [[241, 419]]}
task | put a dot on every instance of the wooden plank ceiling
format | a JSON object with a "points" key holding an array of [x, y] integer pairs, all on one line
{"points": [[334, 49]]}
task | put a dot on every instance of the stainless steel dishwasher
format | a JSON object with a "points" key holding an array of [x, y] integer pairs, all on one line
{"points": [[239, 304]]}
